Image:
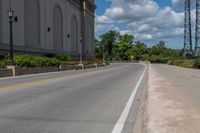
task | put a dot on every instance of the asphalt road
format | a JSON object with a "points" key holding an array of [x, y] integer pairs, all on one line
{"points": [[88, 101]]}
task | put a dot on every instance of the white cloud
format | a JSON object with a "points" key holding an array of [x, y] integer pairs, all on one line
{"points": [[178, 2], [145, 19], [181, 2]]}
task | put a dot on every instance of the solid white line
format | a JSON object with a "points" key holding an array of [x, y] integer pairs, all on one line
{"points": [[121, 121]]}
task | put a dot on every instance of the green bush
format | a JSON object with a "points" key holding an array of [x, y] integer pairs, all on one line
{"points": [[145, 57], [107, 62], [2, 64], [182, 63], [63, 57], [197, 63], [178, 62], [188, 64], [158, 59], [170, 62], [34, 61]]}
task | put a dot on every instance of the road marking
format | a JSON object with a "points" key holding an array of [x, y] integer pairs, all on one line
{"points": [[25, 84], [121, 121]]}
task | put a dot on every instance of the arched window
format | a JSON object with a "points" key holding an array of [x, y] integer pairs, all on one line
{"points": [[57, 28], [74, 33], [32, 23]]}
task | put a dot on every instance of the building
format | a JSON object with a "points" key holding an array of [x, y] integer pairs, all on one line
{"points": [[49, 26]]}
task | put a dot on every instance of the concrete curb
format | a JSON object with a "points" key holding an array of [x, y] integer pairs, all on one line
{"points": [[16, 71]]}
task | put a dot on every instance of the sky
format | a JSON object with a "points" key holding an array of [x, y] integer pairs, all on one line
{"points": [[150, 21]]}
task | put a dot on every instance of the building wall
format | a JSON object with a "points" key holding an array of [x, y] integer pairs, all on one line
{"points": [[74, 12], [41, 37], [90, 35], [32, 23], [18, 27], [0, 21]]}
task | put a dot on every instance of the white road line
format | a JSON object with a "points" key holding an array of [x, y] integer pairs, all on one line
{"points": [[121, 121]]}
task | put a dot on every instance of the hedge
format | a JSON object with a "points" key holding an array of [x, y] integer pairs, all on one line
{"points": [[2, 64], [195, 63], [36, 61]]}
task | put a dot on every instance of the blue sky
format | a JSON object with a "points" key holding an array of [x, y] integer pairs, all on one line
{"points": [[149, 20]]}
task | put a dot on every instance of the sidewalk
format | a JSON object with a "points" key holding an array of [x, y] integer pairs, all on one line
{"points": [[169, 109]]}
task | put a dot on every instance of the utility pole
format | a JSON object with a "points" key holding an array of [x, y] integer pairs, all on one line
{"points": [[197, 36], [187, 31]]}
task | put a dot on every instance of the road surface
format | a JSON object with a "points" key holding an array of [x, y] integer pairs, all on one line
{"points": [[187, 81], [173, 100], [88, 101]]}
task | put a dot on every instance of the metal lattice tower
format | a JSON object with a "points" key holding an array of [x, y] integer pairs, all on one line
{"points": [[197, 37], [187, 30]]}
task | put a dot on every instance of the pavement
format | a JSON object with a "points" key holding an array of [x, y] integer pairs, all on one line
{"points": [[173, 100], [90, 101], [187, 81]]}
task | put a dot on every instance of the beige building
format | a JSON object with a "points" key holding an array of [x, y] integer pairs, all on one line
{"points": [[49, 26]]}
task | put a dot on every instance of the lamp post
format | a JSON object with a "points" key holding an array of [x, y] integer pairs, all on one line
{"points": [[81, 52], [103, 54], [10, 15]]}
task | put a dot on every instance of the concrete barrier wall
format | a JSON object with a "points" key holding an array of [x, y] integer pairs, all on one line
{"points": [[6, 72], [101, 65], [90, 66], [25, 71], [67, 68]]}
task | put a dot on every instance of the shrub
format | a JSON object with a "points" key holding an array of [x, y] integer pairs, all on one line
{"points": [[158, 59], [63, 57], [145, 57], [182, 63], [2, 64], [107, 62], [34, 61], [188, 64], [170, 62], [197, 63], [178, 62]]}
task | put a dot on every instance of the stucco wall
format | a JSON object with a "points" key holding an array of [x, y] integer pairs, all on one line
{"points": [[0, 21], [46, 30], [18, 27], [74, 11], [90, 36]]}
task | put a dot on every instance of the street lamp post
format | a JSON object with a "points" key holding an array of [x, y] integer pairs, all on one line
{"points": [[81, 51], [103, 53], [10, 15]]}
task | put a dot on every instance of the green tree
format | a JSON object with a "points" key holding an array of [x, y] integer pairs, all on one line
{"points": [[98, 49], [123, 46], [139, 48], [106, 44]]}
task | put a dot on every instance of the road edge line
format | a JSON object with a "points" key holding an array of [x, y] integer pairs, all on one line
{"points": [[123, 117]]}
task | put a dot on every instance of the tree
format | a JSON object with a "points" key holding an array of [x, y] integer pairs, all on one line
{"points": [[139, 48], [107, 43], [161, 44], [98, 49], [122, 47], [114, 46]]}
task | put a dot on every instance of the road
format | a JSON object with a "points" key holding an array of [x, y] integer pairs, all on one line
{"points": [[88, 101]]}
